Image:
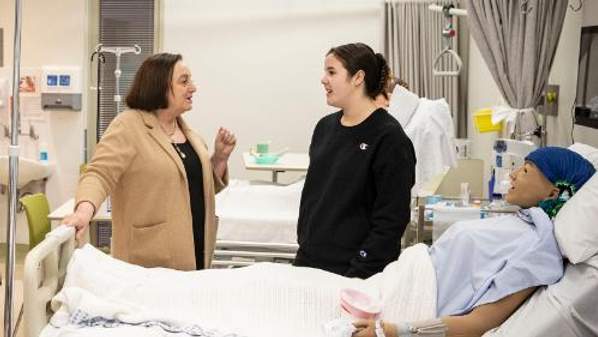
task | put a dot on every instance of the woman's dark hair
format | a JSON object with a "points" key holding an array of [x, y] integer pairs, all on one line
{"points": [[401, 83], [359, 56], [391, 84], [149, 90]]}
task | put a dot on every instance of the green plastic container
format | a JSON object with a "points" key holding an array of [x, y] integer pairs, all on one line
{"points": [[266, 159]]}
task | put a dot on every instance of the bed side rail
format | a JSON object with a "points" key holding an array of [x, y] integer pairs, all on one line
{"points": [[290, 247], [244, 253], [43, 275]]}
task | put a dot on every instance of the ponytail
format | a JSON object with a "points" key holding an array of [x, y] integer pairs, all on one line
{"points": [[384, 74]]}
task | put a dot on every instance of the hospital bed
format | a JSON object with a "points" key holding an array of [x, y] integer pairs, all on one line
{"points": [[566, 308], [257, 222], [264, 300]]}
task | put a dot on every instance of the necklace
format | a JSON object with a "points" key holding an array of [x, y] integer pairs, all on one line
{"points": [[174, 127], [179, 151], [170, 134]]}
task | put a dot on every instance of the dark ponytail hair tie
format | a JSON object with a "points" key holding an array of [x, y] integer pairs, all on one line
{"points": [[384, 73]]}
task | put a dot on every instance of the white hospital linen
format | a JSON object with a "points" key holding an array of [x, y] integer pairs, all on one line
{"points": [[258, 213], [566, 308], [403, 104], [429, 125], [261, 300]]}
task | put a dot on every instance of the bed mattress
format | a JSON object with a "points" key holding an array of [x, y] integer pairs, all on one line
{"points": [[258, 212]]}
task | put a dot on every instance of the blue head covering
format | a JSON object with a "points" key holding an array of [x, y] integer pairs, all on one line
{"points": [[565, 169]]}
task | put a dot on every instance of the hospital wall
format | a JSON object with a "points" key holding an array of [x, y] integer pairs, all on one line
{"points": [[590, 13], [53, 33], [483, 91], [258, 64]]}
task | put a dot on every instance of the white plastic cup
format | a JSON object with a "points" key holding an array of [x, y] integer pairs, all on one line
{"points": [[465, 194]]}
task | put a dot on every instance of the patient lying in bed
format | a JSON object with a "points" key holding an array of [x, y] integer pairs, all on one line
{"points": [[472, 293]]}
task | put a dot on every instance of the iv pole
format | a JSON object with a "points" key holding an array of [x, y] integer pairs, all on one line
{"points": [[101, 59], [117, 51], [13, 163]]}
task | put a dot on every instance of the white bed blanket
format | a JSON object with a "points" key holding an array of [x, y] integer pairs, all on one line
{"points": [[261, 300], [258, 213]]}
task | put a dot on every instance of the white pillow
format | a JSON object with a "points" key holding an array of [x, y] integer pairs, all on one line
{"points": [[576, 224], [586, 151]]}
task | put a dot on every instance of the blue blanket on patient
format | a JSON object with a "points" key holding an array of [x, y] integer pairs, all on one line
{"points": [[482, 261]]}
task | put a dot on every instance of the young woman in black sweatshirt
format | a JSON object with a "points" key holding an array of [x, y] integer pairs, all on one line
{"points": [[355, 203]]}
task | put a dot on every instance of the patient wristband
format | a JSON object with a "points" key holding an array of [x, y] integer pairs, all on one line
{"points": [[429, 328], [405, 330]]}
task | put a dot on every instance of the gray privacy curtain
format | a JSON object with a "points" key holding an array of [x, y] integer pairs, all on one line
{"points": [[518, 40], [412, 39]]}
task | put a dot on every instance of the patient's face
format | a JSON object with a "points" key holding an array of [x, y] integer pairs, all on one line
{"points": [[529, 187]]}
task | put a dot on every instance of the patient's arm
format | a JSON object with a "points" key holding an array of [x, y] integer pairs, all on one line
{"points": [[475, 323], [486, 316]]}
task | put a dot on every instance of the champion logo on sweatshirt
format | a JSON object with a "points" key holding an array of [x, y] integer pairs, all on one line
{"points": [[363, 146]]}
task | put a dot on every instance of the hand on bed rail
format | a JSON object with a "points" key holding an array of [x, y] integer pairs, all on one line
{"points": [[80, 219]]}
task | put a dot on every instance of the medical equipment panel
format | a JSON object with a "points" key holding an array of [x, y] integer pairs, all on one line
{"points": [[509, 154], [61, 88]]}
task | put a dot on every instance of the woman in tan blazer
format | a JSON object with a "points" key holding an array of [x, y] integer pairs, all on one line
{"points": [[158, 173]]}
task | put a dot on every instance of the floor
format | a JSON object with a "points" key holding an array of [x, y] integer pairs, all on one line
{"points": [[21, 251]]}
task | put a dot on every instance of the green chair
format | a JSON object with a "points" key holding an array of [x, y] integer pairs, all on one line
{"points": [[37, 210]]}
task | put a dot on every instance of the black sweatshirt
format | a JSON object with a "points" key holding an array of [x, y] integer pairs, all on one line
{"points": [[355, 203]]}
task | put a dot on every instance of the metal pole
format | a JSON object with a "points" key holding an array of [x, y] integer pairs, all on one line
{"points": [[543, 140], [101, 59], [13, 163], [421, 220], [117, 73]]}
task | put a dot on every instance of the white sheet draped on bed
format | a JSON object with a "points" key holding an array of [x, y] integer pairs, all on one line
{"points": [[259, 213], [261, 300]]}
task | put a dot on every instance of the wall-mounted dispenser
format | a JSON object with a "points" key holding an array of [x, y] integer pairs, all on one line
{"points": [[61, 88]]}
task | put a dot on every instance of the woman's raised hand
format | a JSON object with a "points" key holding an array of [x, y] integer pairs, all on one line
{"points": [[224, 144]]}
